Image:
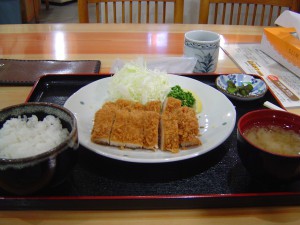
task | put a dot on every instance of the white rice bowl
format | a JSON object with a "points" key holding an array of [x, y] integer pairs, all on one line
{"points": [[24, 136]]}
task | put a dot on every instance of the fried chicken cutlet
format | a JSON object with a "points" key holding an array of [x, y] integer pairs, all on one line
{"points": [[151, 128], [188, 127], [169, 136], [127, 124], [103, 121], [179, 126]]}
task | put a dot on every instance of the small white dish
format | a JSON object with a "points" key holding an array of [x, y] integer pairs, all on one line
{"points": [[258, 91]]}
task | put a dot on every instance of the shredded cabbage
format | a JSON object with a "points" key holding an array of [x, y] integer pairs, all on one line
{"points": [[137, 83]]}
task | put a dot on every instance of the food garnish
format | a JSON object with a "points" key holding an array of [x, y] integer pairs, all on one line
{"points": [[243, 90], [198, 103], [186, 97], [136, 82]]}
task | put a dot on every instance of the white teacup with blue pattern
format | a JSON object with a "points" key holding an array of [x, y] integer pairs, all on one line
{"points": [[204, 46]]}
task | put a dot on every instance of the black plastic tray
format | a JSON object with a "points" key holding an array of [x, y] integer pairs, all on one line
{"points": [[216, 179]]}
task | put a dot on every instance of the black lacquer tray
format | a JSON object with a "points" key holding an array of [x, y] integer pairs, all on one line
{"points": [[216, 179]]}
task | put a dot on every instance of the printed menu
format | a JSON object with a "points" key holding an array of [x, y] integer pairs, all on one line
{"points": [[284, 84]]}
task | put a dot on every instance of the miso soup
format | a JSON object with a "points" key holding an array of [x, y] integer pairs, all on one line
{"points": [[275, 139]]}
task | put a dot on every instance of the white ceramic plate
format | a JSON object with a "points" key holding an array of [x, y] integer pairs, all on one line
{"points": [[216, 120]]}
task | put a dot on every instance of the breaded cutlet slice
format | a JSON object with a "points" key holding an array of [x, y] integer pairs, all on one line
{"points": [[153, 106], [118, 130], [124, 104], [110, 105], [169, 138], [103, 122], [129, 105], [151, 128], [188, 127], [171, 105], [137, 106], [133, 136]]}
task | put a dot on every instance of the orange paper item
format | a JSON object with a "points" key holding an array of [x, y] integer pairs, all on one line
{"points": [[280, 44]]}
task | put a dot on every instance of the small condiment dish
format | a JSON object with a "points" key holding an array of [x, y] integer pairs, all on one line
{"points": [[28, 174], [258, 91], [267, 154]]}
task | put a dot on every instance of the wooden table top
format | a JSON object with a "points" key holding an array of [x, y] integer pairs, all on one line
{"points": [[108, 42]]}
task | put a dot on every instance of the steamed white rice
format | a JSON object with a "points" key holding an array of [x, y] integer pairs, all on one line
{"points": [[27, 136]]}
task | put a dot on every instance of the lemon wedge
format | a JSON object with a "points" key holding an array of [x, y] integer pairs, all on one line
{"points": [[198, 103]]}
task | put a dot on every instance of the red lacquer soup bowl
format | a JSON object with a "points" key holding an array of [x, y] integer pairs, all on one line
{"points": [[268, 143]]}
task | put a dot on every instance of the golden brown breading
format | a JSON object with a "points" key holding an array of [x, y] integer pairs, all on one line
{"points": [[130, 124], [179, 126], [124, 104], [169, 133], [171, 105], [151, 127], [169, 139], [153, 106], [137, 106], [110, 105], [134, 136], [188, 127], [129, 105], [119, 128], [103, 122]]}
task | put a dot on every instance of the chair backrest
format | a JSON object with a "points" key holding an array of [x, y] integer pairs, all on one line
{"points": [[131, 11], [244, 12]]}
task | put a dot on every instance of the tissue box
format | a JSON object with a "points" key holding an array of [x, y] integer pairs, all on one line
{"points": [[280, 44]]}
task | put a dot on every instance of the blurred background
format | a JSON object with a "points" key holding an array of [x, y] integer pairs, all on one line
{"points": [[66, 11]]}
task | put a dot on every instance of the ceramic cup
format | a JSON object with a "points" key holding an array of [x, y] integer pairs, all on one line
{"points": [[204, 46]]}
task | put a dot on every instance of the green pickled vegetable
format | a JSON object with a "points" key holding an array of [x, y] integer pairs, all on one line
{"points": [[232, 90], [243, 90], [249, 87], [231, 84], [186, 97]]}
